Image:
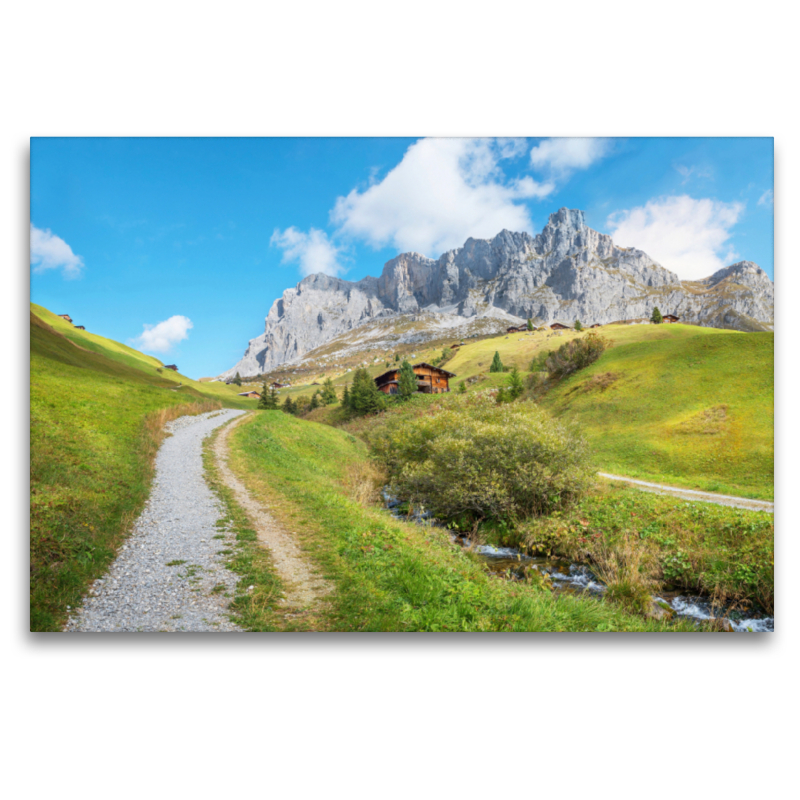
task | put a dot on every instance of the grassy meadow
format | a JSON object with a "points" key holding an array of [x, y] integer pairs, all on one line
{"points": [[390, 575], [97, 410]]}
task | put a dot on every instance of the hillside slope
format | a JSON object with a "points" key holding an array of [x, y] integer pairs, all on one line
{"points": [[97, 408]]}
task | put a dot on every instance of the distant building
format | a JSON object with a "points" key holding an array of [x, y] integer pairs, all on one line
{"points": [[173, 367], [669, 318], [559, 326], [596, 325], [251, 393], [517, 329], [79, 328], [67, 317], [430, 379]]}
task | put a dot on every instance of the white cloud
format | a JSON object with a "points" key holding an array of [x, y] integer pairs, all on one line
{"points": [[49, 251], [767, 198], [441, 193], [313, 250], [563, 155], [160, 338], [685, 235]]}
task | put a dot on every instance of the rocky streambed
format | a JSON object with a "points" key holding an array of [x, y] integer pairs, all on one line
{"points": [[566, 577]]}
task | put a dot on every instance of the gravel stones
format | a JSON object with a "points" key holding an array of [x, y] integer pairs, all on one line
{"points": [[169, 575]]}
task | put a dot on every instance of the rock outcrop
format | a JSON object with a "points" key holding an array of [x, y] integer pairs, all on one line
{"points": [[567, 272]]}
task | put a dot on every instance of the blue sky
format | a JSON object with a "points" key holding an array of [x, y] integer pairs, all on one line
{"points": [[180, 246]]}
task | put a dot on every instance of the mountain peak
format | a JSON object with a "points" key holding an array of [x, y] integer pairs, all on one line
{"points": [[568, 217]]}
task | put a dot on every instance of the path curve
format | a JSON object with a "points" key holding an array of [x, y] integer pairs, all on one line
{"points": [[303, 586], [692, 494], [169, 574]]}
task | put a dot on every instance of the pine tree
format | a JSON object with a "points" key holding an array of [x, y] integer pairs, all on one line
{"points": [[656, 317], [578, 326], [365, 397], [406, 381], [462, 387], [530, 325], [328, 394], [289, 406], [515, 384], [346, 398], [238, 379], [497, 364], [266, 399], [314, 401], [396, 357]]}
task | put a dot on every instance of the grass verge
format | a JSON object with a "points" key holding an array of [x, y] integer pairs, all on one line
{"points": [[389, 575], [259, 588]]}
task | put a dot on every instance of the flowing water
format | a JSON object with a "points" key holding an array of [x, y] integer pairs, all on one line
{"points": [[564, 576]]}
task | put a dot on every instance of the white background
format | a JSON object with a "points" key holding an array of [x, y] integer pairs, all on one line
{"points": [[396, 715]]}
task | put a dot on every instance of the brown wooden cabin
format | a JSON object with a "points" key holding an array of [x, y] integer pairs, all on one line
{"points": [[557, 326], [430, 379], [669, 318], [67, 317], [279, 385], [517, 329], [454, 346], [80, 328], [596, 325], [251, 393], [173, 367]]}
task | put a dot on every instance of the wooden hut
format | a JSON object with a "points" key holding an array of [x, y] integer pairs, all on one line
{"points": [[67, 317], [251, 393], [173, 367], [669, 318], [596, 325], [517, 329], [430, 379], [559, 326], [80, 328]]}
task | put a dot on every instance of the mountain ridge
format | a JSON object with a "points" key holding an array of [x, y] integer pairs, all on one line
{"points": [[567, 272]]}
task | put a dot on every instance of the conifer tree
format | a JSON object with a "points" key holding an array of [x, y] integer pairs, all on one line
{"points": [[328, 394], [530, 324], [365, 397], [515, 384], [656, 317], [497, 364], [578, 326], [314, 401], [289, 406], [406, 381], [346, 398], [462, 387], [266, 399], [238, 379]]}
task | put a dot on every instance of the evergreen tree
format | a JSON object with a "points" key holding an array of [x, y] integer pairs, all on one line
{"points": [[462, 387], [578, 326], [268, 399], [238, 379], [289, 406], [365, 397], [515, 384], [406, 381], [656, 318], [530, 325], [328, 393], [497, 364], [396, 357], [314, 401], [346, 398]]}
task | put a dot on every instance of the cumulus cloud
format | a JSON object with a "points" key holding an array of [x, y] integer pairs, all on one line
{"points": [[49, 251], [563, 155], [162, 337], [441, 193], [767, 198], [686, 235], [313, 251]]}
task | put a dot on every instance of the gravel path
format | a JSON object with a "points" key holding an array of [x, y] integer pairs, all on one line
{"points": [[169, 575], [692, 494]]}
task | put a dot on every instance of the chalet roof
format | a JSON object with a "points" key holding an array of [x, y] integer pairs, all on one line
{"points": [[384, 374], [438, 369], [559, 322], [670, 316]]}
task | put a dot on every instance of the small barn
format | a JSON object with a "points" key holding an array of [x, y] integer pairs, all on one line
{"points": [[80, 328], [67, 317], [279, 385], [251, 393], [596, 325], [173, 367], [669, 318], [559, 326], [517, 329]]}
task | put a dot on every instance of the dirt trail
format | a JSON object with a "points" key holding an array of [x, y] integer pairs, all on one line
{"points": [[692, 494], [304, 587]]}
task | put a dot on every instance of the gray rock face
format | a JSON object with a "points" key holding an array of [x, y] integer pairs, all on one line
{"points": [[567, 272]]}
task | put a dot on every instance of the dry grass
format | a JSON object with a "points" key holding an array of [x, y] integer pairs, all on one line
{"points": [[362, 482], [630, 569]]}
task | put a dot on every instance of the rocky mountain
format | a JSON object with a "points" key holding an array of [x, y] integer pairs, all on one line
{"points": [[565, 273]]}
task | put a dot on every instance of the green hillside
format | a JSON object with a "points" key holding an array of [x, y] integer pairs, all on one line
{"points": [[682, 407], [97, 408]]}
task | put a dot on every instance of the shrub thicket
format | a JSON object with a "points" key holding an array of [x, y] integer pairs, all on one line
{"points": [[487, 461], [575, 354]]}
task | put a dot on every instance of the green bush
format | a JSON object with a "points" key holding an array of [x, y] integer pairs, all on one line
{"points": [[488, 461], [575, 354]]}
